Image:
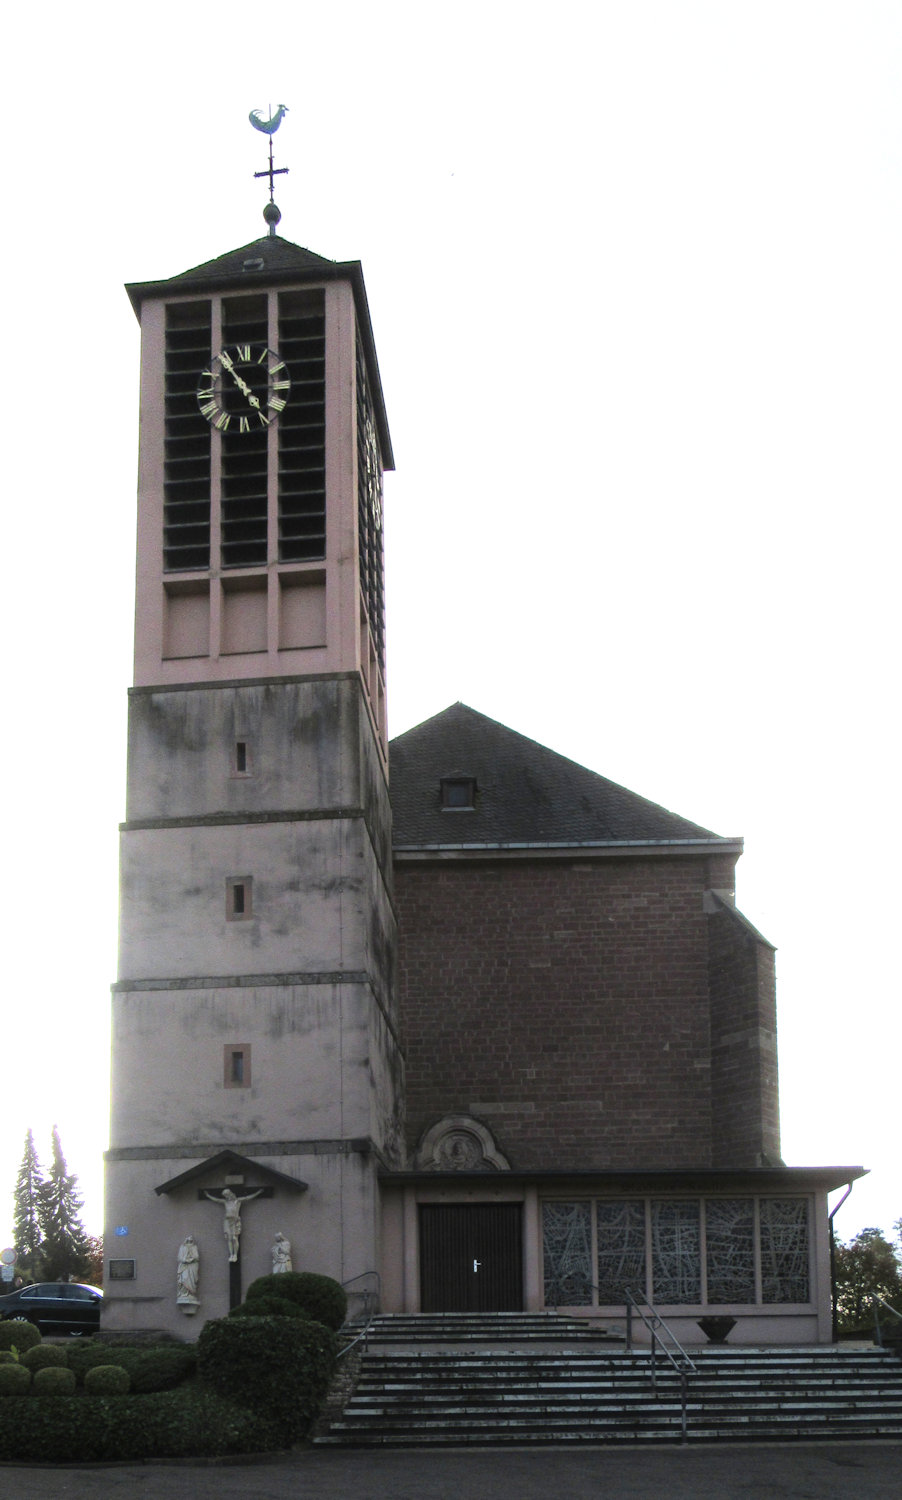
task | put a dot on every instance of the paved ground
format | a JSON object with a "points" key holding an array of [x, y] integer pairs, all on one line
{"points": [[796, 1471]]}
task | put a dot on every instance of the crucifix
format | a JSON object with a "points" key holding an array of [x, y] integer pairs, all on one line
{"points": [[231, 1226]]}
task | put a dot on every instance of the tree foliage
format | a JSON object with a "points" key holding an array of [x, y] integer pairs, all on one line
{"points": [[65, 1247], [27, 1231], [94, 1271], [50, 1239], [866, 1266]]}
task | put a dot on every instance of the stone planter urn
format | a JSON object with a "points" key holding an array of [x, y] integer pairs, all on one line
{"points": [[716, 1329]]}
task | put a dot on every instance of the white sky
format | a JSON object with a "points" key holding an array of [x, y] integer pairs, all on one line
{"points": [[634, 276]]}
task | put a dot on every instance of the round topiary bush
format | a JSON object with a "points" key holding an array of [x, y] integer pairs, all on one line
{"points": [[14, 1380], [53, 1381], [278, 1368], [45, 1357], [7, 1357], [270, 1307], [323, 1299], [107, 1380], [17, 1334]]}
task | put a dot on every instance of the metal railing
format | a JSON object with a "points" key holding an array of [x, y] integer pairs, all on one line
{"points": [[680, 1360], [879, 1302], [371, 1295]]}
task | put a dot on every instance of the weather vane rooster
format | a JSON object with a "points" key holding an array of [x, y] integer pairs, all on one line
{"points": [[269, 127]]}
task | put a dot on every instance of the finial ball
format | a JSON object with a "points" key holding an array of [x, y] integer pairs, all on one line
{"points": [[272, 215]]}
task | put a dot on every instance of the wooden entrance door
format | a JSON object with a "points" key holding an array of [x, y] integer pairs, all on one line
{"points": [[471, 1257]]}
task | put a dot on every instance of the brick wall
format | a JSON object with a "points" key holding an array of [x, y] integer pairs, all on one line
{"points": [[744, 1098], [565, 1004]]}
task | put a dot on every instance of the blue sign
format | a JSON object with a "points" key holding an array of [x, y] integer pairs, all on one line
{"points": [[121, 1229]]}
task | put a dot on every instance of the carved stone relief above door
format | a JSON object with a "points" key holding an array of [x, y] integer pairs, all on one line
{"points": [[458, 1143]]}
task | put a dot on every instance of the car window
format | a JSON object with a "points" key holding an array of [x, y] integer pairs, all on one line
{"points": [[81, 1293]]}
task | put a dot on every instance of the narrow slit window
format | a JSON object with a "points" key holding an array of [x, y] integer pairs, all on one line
{"points": [[237, 1065], [239, 898], [242, 760]]}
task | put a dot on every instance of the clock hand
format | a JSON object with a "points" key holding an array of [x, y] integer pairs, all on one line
{"points": [[242, 385], [244, 388]]}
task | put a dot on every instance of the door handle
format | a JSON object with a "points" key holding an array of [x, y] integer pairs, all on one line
{"points": [[476, 1265]]}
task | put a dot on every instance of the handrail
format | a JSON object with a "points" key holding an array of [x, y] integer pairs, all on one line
{"points": [[683, 1369], [878, 1331], [371, 1301]]}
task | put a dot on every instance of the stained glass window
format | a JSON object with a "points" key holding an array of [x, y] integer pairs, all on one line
{"points": [[730, 1227], [730, 1243], [676, 1252], [784, 1250], [621, 1249], [567, 1232]]}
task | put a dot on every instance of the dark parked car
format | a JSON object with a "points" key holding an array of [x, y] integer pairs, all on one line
{"points": [[56, 1306]]}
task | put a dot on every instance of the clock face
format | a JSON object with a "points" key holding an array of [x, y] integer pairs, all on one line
{"points": [[244, 388]]}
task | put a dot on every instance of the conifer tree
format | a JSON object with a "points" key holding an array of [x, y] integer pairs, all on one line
{"points": [[27, 1231], [64, 1251]]}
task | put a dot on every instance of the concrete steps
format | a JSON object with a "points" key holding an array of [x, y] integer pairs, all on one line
{"points": [[539, 1388], [418, 1329]]}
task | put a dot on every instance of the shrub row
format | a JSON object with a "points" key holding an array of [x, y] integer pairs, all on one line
{"points": [[148, 1369], [155, 1369], [187, 1423]]}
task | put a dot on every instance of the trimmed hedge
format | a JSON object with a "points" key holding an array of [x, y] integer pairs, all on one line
{"points": [[45, 1357], [107, 1380], [14, 1380], [15, 1333], [188, 1423], [278, 1367], [53, 1380], [323, 1299]]}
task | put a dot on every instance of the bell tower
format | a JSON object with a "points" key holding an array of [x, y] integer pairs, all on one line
{"points": [[255, 1043]]}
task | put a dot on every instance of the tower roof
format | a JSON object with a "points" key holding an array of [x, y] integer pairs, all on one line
{"points": [[272, 261], [525, 794]]}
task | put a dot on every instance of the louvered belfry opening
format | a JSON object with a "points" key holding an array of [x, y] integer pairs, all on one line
{"points": [[369, 511], [302, 428], [244, 454], [186, 473]]}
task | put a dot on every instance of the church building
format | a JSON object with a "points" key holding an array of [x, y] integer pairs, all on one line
{"points": [[452, 1018]]}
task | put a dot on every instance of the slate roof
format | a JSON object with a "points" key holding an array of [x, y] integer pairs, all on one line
{"points": [[264, 261], [271, 261], [526, 793]]}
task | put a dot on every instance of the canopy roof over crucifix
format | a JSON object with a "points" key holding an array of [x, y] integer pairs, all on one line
{"points": [[233, 1163]]}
